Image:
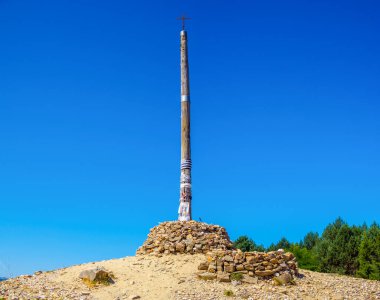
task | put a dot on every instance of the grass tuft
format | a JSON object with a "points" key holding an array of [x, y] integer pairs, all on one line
{"points": [[236, 276]]}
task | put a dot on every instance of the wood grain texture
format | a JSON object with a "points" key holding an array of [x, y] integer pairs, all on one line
{"points": [[184, 211]]}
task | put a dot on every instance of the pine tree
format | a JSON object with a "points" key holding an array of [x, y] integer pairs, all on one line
{"points": [[338, 248], [245, 244], [369, 253], [310, 240]]}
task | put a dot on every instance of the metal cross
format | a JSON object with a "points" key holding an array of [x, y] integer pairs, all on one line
{"points": [[183, 18]]}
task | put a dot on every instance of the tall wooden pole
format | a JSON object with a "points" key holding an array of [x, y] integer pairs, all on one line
{"points": [[184, 211]]}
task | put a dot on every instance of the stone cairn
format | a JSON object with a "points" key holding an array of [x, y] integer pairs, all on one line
{"points": [[185, 237], [190, 237], [254, 264]]}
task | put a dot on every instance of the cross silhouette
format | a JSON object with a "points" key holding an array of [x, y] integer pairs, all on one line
{"points": [[183, 18]]}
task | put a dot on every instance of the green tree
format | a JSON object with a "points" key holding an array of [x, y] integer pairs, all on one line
{"points": [[281, 244], [310, 240], [307, 259], [338, 248], [245, 244], [369, 253]]}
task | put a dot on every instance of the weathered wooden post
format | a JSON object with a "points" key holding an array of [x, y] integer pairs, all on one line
{"points": [[184, 211]]}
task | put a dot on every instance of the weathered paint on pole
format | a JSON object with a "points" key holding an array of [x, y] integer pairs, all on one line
{"points": [[184, 211]]}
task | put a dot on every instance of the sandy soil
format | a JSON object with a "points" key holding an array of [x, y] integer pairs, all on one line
{"points": [[174, 277]]}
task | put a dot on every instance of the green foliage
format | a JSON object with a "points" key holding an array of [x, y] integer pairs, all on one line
{"points": [[245, 244], [369, 253], [236, 276], [338, 249], [228, 293], [307, 259], [343, 249], [310, 240], [281, 244]]}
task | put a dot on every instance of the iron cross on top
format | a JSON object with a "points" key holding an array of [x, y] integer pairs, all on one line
{"points": [[183, 18]]}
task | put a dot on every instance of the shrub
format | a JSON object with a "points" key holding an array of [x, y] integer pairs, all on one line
{"points": [[338, 249], [310, 240], [228, 293], [369, 254], [236, 276], [245, 244], [307, 259]]}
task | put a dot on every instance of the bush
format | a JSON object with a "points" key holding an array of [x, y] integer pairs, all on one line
{"points": [[310, 240], [307, 259], [236, 276], [245, 244], [344, 249], [338, 249], [281, 244], [369, 253]]}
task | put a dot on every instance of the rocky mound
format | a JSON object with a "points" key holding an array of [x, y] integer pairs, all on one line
{"points": [[185, 237], [255, 264]]}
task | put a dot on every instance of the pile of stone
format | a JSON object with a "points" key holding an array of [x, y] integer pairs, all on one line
{"points": [[185, 237], [254, 264]]}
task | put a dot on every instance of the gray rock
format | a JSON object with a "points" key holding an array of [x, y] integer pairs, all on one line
{"points": [[97, 274], [283, 279]]}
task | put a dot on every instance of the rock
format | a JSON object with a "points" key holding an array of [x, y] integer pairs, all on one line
{"points": [[251, 259], [223, 277], [97, 274], [288, 256], [250, 280], [134, 297], [273, 261], [212, 268], [283, 279], [228, 258], [180, 247], [264, 273], [265, 264], [203, 266], [185, 237], [207, 276], [229, 268]]}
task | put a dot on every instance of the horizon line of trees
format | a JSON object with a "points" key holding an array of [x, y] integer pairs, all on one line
{"points": [[343, 249]]}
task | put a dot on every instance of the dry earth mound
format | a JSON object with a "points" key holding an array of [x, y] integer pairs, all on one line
{"points": [[172, 277]]}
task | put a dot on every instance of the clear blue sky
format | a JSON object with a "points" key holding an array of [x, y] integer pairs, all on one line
{"points": [[285, 122]]}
